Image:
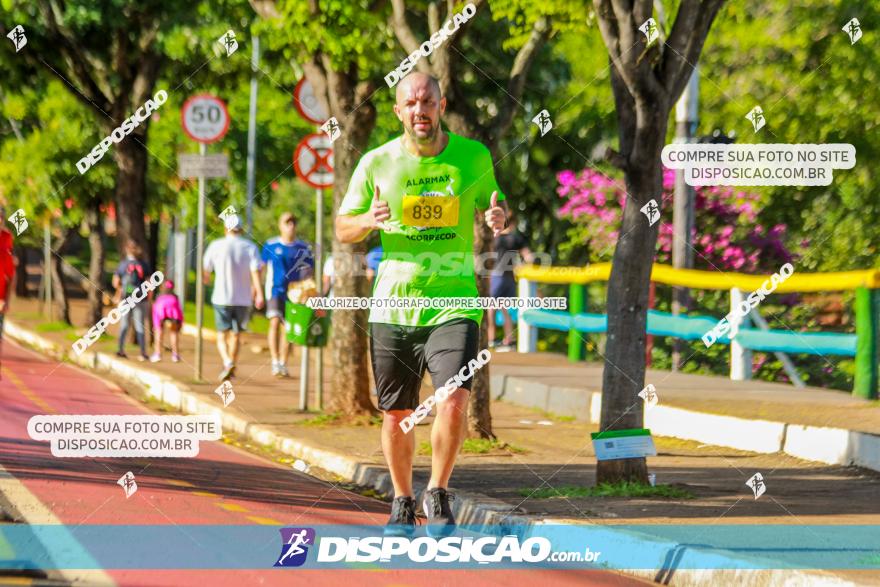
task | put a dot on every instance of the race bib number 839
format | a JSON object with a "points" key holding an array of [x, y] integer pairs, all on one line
{"points": [[430, 211]]}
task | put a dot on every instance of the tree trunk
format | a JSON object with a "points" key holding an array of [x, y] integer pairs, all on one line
{"points": [[153, 245], [479, 412], [348, 345], [96, 262], [646, 81], [21, 284], [62, 306], [131, 159], [642, 131]]}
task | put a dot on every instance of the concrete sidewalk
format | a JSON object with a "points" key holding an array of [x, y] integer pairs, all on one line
{"points": [[536, 450], [813, 406], [822, 425]]}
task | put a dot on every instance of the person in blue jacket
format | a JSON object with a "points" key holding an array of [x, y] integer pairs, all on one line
{"points": [[287, 259]]}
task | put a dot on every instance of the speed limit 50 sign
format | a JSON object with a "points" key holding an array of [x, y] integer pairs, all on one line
{"points": [[205, 118]]}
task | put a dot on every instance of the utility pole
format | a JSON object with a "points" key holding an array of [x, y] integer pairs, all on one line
{"points": [[47, 269], [319, 276], [686, 118], [200, 262], [252, 136]]}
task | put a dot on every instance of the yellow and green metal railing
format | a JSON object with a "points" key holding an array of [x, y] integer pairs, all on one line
{"points": [[863, 345]]}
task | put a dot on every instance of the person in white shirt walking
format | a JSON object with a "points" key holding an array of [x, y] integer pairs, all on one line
{"points": [[235, 262]]}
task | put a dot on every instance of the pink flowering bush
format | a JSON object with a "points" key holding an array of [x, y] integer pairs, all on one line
{"points": [[726, 235]]}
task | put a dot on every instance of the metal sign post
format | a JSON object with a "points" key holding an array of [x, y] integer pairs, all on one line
{"points": [[686, 117], [304, 380], [252, 135], [313, 164], [200, 256], [47, 270], [205, 119], [319, 269]]}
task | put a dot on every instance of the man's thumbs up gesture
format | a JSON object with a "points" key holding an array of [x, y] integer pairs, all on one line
{"points": [[495, 215], [379, 211]]}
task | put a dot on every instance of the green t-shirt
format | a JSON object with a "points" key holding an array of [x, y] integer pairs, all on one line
{"points": [[429, 242]]}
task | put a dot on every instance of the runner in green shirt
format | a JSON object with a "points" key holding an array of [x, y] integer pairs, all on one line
{"points": [[421, 191]]}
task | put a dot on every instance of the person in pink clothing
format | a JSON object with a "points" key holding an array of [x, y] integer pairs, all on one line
{"points": [[166, 308]]}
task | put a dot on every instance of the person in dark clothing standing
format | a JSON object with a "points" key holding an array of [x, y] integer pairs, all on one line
{"points": [[133, 270], [508, 247]]}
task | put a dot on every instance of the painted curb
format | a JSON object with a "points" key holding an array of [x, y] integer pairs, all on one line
{"points": [[835, 446], [753, 435]]}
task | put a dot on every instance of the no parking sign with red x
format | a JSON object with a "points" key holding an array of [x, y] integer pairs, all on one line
{"points": [[313, 161]]}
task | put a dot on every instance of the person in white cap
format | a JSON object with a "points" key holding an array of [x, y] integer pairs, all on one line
{"points": [[236, 264]]}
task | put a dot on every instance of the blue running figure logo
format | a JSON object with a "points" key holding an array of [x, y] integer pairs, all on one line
{"points": [[294, 547]]}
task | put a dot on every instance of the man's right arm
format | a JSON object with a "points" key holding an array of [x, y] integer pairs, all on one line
{"points": [[355, 228]]}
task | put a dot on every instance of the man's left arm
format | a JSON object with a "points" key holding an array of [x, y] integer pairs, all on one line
{"points": [[256, 268], [496, 214], [489, 195]]}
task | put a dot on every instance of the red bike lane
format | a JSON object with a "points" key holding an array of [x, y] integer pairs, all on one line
{"points": [[222, 485]]}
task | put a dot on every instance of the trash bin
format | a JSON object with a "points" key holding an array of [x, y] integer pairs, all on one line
{"points": [[305, 326]]}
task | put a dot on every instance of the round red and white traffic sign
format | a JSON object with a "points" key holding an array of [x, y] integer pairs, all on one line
{"points": [[313, 161], [205, 118], [307, 104]]}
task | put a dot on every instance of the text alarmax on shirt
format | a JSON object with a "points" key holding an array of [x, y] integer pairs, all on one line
{"points": [[432, 202]]}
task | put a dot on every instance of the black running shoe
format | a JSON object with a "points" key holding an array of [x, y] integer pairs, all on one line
{"points": [[441, 522], [227, 373], [403, 517]]}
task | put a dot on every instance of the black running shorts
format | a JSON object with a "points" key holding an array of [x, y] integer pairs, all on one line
{"points": [[400, 355]]}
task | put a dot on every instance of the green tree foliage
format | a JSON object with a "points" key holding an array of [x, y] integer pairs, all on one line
{"points": [[35, 171], [796, 62], [109, 55]]}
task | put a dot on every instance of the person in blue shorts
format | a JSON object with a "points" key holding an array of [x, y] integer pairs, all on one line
{"points": [[374, 258], [508, 247], [235, 262], [287, 259]]}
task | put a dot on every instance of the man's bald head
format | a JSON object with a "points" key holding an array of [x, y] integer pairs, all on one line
{"points": [[419, 106], [418, 82]]}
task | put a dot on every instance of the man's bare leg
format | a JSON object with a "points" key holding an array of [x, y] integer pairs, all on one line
{"points": [[447, 435], [221, 348], [273, 339], [284, 350], [399, 448], [508, 327], [234, 338]]}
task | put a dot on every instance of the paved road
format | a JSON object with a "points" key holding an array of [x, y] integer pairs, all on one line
{"points": [[223, 485]]}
